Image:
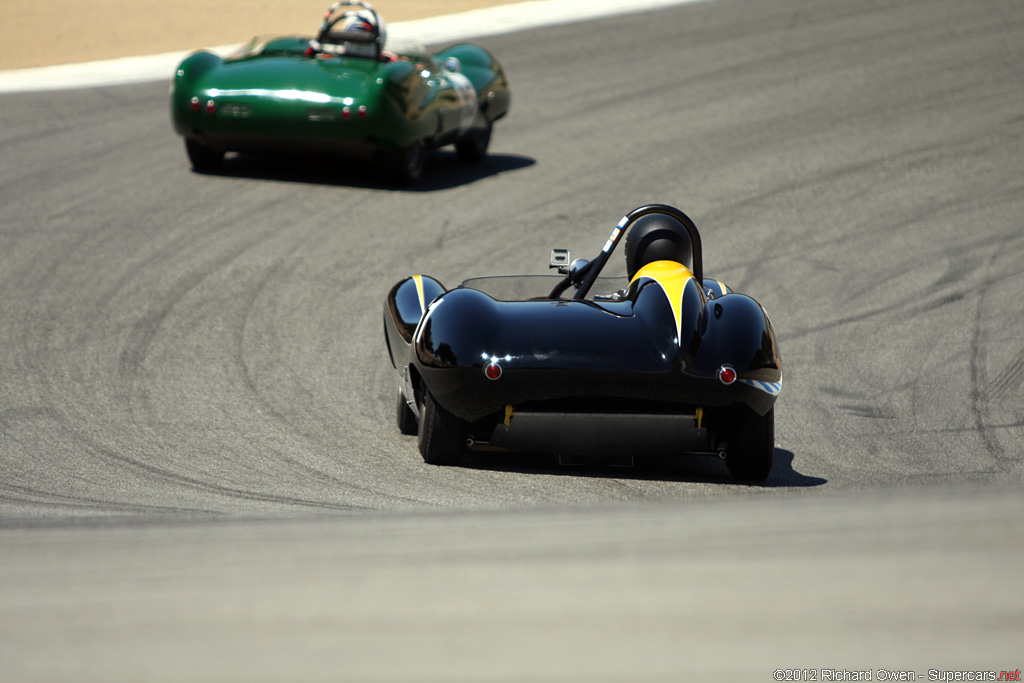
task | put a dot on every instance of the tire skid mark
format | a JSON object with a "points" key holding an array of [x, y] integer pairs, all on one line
{"points": [[11, 415], [35, 338], [240, 334], [36, 496], [140, 339], [930, 298], [1009, 379], [167, 476], [266, 406], [263, 405], [978, 382], [150, 327], [970, 429], [863, 287], [63, 426], [870, 411], [134, 353]]}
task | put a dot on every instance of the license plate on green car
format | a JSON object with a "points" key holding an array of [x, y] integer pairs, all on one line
{"points": [[236, 111], [321, 114]]}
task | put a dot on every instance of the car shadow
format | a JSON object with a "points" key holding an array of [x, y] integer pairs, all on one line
{"points": [[443, 170], [695, 469]]}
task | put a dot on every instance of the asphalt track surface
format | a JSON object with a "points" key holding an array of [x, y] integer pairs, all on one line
{"points": [[200, 478]]}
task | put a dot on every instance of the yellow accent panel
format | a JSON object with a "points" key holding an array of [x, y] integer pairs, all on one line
{"points": [[418, 279], [509, 412], [672, 277]]}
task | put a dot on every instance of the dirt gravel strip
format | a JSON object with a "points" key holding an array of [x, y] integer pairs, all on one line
{"points": [[71, 56]]}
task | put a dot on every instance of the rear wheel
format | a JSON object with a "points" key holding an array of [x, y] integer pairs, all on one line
{"points": [[473, 147], [442, 435], [406, 165], [203, 158], [405, 417], [751, 443]]}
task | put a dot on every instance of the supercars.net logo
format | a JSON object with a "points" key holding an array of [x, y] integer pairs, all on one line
{"points": [[892, 675]]}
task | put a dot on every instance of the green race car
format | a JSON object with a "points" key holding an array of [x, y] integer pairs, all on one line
{"points": [[346, 91]]}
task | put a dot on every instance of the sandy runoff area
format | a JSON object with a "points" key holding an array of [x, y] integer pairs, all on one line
{"points": [[33, 33]]}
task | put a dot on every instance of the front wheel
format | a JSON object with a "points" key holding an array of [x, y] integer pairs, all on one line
{"points": [[404, 416], [473, 147], [204, 159], [751, 443], [405, 166], [442, 438]]}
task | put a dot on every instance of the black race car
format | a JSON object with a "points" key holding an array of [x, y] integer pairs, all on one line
{"points": [[661, 362]]}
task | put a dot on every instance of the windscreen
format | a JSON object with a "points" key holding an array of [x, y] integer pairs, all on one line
{"points": [[525, 287]]}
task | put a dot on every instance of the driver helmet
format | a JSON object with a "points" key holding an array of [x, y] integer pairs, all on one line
{"points": [[657, 237], [363, 22]]}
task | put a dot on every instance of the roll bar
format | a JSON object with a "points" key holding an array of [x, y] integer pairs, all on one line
{"points": [[620, 230]]}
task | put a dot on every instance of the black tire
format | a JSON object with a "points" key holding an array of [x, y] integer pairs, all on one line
{"points": [[751, 444], [405, 417], [204, 159], [442, 435], [405, 166], [473, 147]]}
